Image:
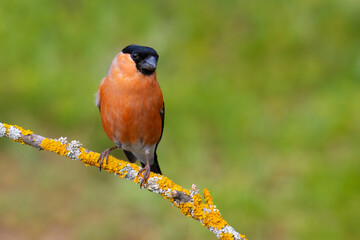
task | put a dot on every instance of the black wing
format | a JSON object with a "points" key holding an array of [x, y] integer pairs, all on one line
{"points": [[162, 115], [155, 167]]}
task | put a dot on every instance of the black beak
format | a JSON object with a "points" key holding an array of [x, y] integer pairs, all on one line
{"points": [[149, 63]]}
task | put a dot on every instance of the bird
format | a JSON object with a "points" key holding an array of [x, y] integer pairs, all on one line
{"points": [[132, 108]]}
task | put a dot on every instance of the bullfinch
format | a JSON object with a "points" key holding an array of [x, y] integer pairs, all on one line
{"points": [[132, 107]]}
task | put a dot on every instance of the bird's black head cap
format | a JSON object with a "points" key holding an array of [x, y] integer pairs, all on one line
{"points": [[145, 58]]}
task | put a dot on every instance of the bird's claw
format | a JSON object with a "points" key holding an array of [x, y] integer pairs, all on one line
{"points": [[146, 174], [105, 155]]}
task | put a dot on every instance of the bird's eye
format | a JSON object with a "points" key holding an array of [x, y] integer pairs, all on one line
{"points": [[134, 55]]}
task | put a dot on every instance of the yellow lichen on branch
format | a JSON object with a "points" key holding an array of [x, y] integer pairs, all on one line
{"points": [[207, 197], [15, 131], [52, 145], [189, 202]]}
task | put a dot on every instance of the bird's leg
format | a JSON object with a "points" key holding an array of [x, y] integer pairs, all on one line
{"points": [[105, 155], [146, 169]]}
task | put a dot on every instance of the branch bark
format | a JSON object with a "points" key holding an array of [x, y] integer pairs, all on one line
{"points": [[188, 201]]}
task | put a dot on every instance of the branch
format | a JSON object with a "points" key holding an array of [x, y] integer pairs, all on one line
{"points": [[188, 201]]}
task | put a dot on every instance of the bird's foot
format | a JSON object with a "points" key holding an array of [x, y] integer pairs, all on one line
{"points": [[146, 174], [105, 155]]}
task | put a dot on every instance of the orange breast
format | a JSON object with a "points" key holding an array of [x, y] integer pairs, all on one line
{"points": [[130, 104]]}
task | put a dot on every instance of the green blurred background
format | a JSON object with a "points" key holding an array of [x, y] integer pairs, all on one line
{"points": [[262, 107]]}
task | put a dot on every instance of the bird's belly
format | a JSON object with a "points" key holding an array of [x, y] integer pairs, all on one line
{"points": [[139, 150], [132, 123]]}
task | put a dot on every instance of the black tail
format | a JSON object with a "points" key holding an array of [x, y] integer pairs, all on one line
{"points": [[130, 156], [155, 167]]}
